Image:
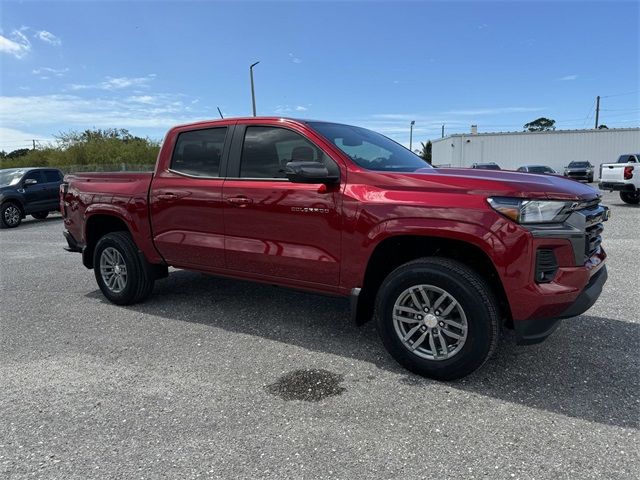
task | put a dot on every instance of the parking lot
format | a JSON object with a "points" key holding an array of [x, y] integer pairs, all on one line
{"points": [[201, 381]]}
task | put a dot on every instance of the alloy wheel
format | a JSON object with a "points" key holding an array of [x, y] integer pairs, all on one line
{"points": [[430, 322], [113, 270]]}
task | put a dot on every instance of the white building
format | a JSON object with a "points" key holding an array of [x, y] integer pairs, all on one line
{"points": [[556, 148]]}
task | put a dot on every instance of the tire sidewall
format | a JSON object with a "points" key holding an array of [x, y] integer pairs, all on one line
{"points": [[632, 198], [130, 290], [4, 207], [479, 322]]}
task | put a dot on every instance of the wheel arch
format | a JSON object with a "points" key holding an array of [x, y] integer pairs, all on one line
{"points": [[17, 201], [397, 250], [98, 225]]}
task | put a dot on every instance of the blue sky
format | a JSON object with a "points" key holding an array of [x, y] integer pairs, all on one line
{"points": [[145, 66]]}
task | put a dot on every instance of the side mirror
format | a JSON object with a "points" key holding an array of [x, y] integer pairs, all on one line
{"points": [[29, 181], [309, 172]]}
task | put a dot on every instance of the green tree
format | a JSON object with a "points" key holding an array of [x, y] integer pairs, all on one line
{"points": [[425, 151], [106, 149], [603, 127], [21, 152], [541, 124]]}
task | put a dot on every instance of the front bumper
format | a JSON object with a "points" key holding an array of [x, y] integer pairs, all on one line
{"points": [[579, 175], [617, 186], [529, 332]]}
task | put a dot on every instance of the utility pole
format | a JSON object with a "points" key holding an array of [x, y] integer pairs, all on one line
{"points": [[34, 144], [442, 131], [597, 110], [253, 93], [413, 122]]}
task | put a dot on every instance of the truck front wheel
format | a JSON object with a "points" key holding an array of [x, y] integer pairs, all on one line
{"points": [[119, 269], [437, 318], [632, 198]]}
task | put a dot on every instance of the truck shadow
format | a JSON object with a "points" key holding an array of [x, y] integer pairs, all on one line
{"points": [[588, 369]]}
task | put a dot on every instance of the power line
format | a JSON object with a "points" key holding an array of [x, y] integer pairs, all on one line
{"points": [[619, 94]]}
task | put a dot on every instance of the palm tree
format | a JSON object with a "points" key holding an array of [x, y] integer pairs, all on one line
{"points": [[425, 151]]}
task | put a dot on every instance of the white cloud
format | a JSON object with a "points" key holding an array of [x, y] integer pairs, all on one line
{"points": [[146, 99], [13, 139], [47, 71], [18, 45], [55, 112], [48, 37], [284, 109], [294, 59], [115, 83], [568, 78], [494, 111]]}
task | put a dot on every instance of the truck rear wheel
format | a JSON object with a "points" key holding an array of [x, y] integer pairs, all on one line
{"points": [[632, 198], [437, 318], [120, 271]]}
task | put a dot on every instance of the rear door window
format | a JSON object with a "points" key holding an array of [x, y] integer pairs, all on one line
{"points": [[199, 152], [52, 176]]}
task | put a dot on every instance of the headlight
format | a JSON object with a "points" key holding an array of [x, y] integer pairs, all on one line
{"points": [[532, 211]]}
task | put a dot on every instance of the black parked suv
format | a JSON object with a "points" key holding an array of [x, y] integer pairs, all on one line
{"points": [[579, 171], [28, 191]]}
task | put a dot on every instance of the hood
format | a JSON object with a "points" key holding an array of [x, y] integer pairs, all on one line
{"points": [[492, 183]]}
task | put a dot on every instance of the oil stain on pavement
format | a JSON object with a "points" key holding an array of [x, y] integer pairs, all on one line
{"points": [[308, 385]]}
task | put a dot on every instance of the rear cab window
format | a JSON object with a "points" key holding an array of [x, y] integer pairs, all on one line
{"points": [[198, 153]]}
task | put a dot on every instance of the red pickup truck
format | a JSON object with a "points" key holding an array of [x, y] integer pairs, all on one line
{"points": [[441, 258]]}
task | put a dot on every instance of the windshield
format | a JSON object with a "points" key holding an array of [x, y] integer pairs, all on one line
{"points": [[369, 149], [541, 169], [578, 164], [11, 176]]}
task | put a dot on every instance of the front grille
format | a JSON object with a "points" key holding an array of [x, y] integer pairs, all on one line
{"points": [[593, 239], [594, 216], [546, 265]]}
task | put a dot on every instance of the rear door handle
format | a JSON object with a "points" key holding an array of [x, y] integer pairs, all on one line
{"points": [[240, 201]]}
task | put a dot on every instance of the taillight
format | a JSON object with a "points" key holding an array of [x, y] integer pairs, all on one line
{"points": [[628, 172]]}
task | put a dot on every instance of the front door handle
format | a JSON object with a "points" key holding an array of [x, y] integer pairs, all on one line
{"points": [[239, 201], [167, 196]]}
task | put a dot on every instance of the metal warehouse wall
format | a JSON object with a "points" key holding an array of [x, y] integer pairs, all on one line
{"points": [[555, 149]]}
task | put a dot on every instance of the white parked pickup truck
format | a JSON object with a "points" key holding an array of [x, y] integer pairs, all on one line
{"points": [[622, 176]]}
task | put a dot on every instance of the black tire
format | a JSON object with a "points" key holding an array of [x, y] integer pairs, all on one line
{"points": [[40, 215], [139, 282], [590, 179], [471, 293], [632, 198], [10, 215]]}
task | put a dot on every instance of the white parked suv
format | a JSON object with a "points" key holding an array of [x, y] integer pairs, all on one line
{"points": [[622, 176]]}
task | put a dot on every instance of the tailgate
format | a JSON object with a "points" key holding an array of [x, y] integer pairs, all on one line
{"points": [[613, 172]]}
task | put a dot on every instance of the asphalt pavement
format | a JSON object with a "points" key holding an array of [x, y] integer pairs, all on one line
{"points": [[215, 378]]}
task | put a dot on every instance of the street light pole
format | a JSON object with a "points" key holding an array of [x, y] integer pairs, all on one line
{"points": [[413, 122], [253, 93]]}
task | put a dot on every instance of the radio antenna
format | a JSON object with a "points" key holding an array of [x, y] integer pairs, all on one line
{"points": [[220, 113]]}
